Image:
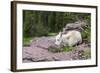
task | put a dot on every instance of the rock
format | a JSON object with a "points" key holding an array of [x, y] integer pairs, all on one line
{"points": [[43, 42], [78, 25], [38, 51]]}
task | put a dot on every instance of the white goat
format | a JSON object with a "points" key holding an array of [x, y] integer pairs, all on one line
{"points": [[71, 38]]}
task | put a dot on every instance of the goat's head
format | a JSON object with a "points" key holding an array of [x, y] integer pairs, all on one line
{"points": [[58, 39]]}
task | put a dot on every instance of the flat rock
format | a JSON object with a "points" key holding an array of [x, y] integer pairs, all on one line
{"points": [[38, 51]]}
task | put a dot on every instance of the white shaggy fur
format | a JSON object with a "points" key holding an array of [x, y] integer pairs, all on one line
{"points": [[72, 37]]}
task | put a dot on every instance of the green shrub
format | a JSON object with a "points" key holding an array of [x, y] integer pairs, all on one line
{"points": [[86, 34]]}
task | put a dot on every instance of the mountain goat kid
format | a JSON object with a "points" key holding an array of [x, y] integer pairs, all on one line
{"points": [[71, 38]]}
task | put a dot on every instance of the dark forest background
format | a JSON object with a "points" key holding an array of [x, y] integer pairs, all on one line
{"points": [[45, 23]]}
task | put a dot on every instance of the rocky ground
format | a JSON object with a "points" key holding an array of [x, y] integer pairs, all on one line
{"points": [[38, 51]]}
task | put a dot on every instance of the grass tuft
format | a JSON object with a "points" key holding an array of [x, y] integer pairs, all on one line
{"points": [[27, 41]]}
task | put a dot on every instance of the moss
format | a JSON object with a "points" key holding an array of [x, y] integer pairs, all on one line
{"points": [[68, 48], [62, 49], [55, 50]]}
